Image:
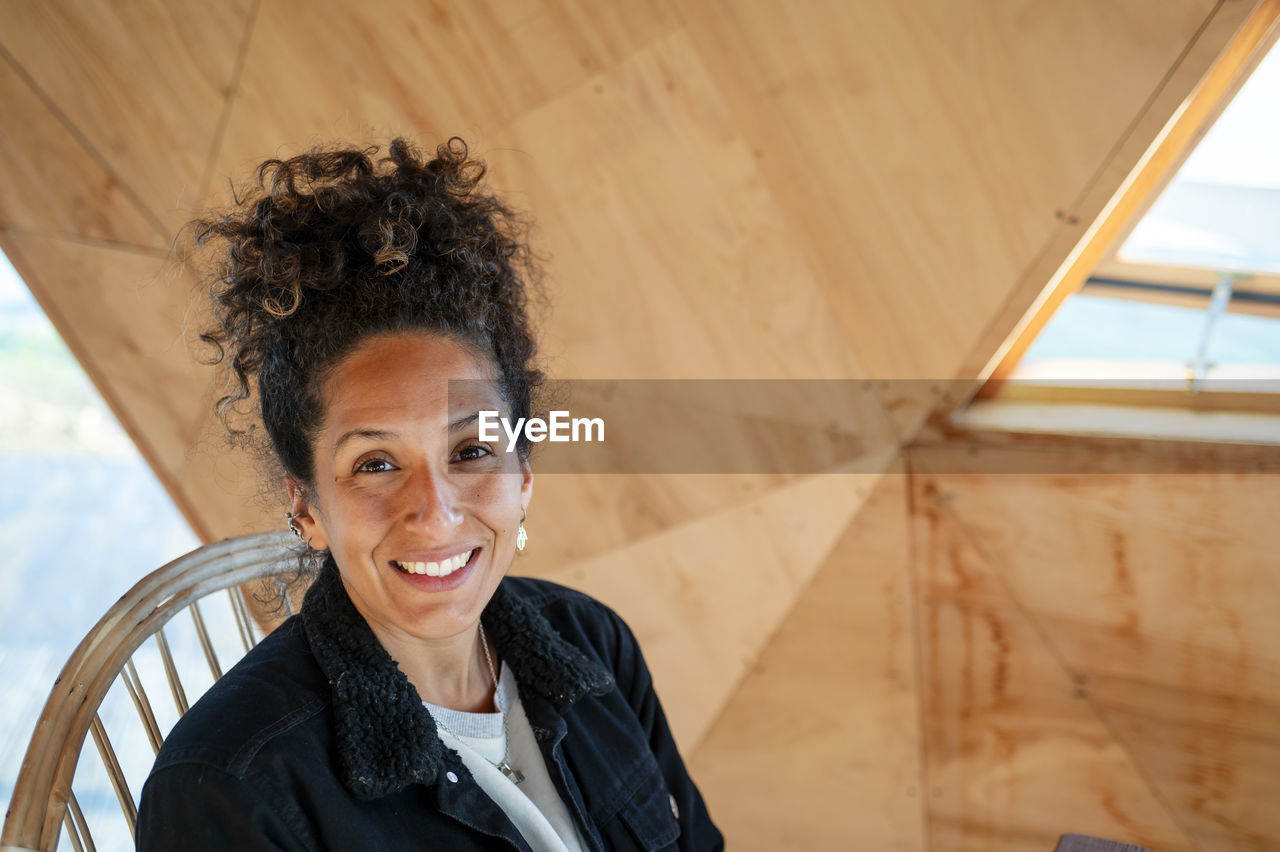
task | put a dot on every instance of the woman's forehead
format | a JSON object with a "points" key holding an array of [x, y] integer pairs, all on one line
{"points": [[408, 376]]}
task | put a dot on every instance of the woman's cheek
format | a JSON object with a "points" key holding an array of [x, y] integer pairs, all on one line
{"points": [[497, 489], [365, 506]]}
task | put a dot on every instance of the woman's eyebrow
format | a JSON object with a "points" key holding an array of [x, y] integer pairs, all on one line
{"points": [[371, 434], [464, 421], [382, 434]]}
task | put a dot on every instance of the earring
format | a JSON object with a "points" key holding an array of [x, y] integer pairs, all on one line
{"points": [[293, 526], [522, 537]]}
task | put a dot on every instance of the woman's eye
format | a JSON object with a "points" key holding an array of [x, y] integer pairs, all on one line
{"points": [[375, 465], [472, 452]]}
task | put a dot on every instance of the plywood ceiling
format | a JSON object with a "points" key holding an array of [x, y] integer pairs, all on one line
{"points": [[809, 189]]}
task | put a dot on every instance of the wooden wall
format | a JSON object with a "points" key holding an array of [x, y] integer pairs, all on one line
{"points": [[1103, 646], [808, 189], [987, 661]]}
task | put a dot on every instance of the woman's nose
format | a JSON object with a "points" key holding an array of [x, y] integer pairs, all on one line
{"points": [[432, 502]]}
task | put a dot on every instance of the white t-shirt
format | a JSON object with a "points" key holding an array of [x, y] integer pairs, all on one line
{"points": [[481, 741]]}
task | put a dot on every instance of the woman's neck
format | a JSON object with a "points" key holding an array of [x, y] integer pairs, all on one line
{"points": [[448, 672]]}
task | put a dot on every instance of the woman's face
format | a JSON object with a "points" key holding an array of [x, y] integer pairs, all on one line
{"points": [[420, 515]]}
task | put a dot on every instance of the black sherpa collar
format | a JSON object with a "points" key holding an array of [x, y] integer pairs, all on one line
{"points": [[385, 738]]}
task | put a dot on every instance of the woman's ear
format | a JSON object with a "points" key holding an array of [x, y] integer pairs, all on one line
{"points": [[526, 486], [303, 515]]}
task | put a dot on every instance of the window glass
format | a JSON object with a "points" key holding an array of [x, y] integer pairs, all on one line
{"points": [[82, 516], [1222, 209], [1115, 329]]}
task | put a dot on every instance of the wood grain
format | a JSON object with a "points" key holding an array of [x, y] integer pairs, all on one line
{"points": [[704, 597], [655, 207], [1212, 757], [330, 70], [1014, 754], [52, 184], [819, 746], [1157, 593], [144, 83], [577, 516], [1159, 578], [944, 143]]}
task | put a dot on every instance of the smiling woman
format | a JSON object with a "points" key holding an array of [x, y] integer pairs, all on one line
{"points": [[422, 699], [419, 514]]}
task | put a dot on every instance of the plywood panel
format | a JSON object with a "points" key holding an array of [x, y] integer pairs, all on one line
{"points": [[921, 151], [577, 516], [1015, 754], [819, 748], [144, 83], [324, 70], [1215, 759], [657, 217], [1159, 593], [1162, 578], [51, 183], [704, 597]]}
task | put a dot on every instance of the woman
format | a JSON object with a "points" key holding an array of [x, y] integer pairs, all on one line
{"points": [[421, 699]]}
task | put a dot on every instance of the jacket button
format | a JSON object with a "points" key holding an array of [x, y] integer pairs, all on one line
{"points": [[675, 809], [453, 779]]}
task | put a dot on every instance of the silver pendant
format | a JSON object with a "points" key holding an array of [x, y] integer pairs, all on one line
{"points": [[511, 772]]}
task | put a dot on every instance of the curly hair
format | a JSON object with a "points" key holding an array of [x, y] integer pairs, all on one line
{"points": [[332, 247]]}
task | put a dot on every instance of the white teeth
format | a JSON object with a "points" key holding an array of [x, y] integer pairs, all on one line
{"points": [[436, 569]]}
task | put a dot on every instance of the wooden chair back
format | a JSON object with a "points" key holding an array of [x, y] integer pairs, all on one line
{"points": [[43, 802], [1085, 843]]}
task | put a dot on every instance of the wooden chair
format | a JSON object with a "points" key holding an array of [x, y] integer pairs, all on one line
{"points": [[1084, 843], [43, 802]]}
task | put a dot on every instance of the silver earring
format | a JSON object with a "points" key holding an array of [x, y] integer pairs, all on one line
{"points": [[293, 526], [522, 537]]}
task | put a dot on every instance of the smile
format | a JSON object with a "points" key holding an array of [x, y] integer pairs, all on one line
{"points": [[437, 569]]}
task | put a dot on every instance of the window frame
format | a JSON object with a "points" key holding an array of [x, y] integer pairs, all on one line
{"points": [[1002, 402]]}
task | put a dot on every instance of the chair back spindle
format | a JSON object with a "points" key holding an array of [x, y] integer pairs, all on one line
{"points": [[44, 806]]}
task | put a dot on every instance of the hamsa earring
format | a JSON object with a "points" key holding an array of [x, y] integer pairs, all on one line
{"points": [[522, 537]]}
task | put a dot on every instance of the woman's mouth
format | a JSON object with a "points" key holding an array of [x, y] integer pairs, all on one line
{"points": [[442, 568]]}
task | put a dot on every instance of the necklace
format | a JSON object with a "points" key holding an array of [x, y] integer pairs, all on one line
{"points": [[505, 766]]}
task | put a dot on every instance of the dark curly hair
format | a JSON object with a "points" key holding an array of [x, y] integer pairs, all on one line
{"points": [[329, 248]]}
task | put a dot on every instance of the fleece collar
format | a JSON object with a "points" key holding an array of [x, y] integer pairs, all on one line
{"points": [[385, 738]]}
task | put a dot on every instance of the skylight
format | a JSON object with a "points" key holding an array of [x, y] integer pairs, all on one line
{"points": [[1193, 293]]}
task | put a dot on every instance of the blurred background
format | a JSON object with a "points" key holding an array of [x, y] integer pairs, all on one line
{"points": [[1038, 599]]}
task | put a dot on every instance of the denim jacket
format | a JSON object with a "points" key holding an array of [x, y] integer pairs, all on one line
{"points": [[317, 741]]}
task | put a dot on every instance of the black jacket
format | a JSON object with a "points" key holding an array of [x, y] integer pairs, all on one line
{"points": [[317, 741]]}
